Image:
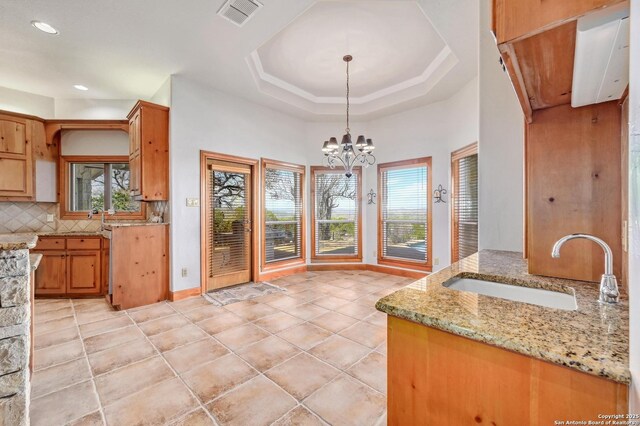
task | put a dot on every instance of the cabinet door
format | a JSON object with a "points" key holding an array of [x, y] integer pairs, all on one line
{"points": [[13, 137], [16, 159], [134, 134], [51, 274], [13, 176], [83, 272], [135, 175]]}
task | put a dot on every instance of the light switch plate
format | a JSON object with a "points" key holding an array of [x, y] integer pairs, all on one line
{"points": [[50, 218], [193, 202], [436, 261]]}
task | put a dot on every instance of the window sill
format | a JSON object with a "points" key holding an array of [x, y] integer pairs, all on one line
{"points": [[337, 259], [268, 267], [419, 266]]}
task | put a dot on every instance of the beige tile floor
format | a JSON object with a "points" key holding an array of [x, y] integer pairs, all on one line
{"points": [[313, 355]]}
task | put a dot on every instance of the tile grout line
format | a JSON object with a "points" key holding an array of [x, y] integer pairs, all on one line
{"points": [[173, 371], [86, 356]]}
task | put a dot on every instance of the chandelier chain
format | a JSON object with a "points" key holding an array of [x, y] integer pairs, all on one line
{"points": [[348, 129]]}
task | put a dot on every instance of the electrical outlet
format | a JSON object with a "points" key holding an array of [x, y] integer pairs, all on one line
{"points": [[193, 202], [184, 272], [375, 253], [436, 261], [50, 218]]}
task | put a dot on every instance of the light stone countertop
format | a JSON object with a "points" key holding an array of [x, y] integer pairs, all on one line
{"points": [[109, 226], [34, 260], [18, 241], [593, 339]]}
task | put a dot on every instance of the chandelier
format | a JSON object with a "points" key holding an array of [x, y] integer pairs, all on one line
{"points": [[345, 153]]}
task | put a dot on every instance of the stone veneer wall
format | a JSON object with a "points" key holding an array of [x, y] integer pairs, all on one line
{"points": [[15, 314], [32, 217]]}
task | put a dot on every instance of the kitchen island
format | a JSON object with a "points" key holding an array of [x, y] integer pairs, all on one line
{"points": [[457, 357]]}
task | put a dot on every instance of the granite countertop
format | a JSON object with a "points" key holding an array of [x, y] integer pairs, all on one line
{"points": [[109, 226], [34, 260], [593, 339], [69, 234], [17, 241]]}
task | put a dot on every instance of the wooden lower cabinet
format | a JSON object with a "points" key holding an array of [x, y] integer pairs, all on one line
{"points": [[83, 275], [438, 378], [74, 268], [51, 275]]}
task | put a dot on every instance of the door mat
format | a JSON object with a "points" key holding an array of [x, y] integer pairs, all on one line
{"points": [[238, 293]]}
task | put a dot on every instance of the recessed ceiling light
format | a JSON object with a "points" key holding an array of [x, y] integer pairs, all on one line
{"points": [[44, 27], [80, 87]]}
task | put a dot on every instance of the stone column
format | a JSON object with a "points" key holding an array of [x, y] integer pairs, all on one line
{"points": [[15, 313]]}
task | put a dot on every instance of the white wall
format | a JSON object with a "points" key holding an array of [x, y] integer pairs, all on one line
{"points": [[163, 95], [501, 149], [634, 209], [93, 109], [26, 103], [431, 131], [205, 119], [94, 142]]}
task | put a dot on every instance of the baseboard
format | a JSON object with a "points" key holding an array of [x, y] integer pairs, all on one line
{"points": [[183, 294], [174, 296], [282, 273]]}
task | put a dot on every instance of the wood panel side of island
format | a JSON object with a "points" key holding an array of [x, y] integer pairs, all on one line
{"points": [[438, 378]]}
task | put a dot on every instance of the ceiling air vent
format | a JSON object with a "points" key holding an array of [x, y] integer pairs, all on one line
{"points": [[239, 11]]}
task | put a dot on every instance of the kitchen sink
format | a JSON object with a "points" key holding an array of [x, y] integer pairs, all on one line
{"points": [[534, 296]]}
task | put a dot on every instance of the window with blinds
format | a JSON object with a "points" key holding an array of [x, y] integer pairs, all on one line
{"points": [[464, 223], [404, 212], [283, 214], [336, 214]]}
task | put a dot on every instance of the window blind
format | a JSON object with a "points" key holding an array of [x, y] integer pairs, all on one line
{"points": [[282, 214], [336, 211], [404, 213], [466, 207]]}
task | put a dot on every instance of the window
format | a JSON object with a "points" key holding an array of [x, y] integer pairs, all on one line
{"points": [[336, 215], [464, 202], [404, 221], [283, 228], [96, 183]]}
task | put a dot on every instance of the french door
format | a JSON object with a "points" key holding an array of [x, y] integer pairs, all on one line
{"points": [[228, 208]]}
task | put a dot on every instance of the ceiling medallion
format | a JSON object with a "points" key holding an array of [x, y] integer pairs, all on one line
{"points": [[345, 153]]}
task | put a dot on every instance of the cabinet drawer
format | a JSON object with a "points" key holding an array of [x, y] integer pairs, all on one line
{"points": [[83, 243], [50, 244]]}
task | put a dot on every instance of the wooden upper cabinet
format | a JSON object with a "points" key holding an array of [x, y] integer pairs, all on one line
{"points": [[149, 151], [537, 42], [16, 158], [515, 19]]}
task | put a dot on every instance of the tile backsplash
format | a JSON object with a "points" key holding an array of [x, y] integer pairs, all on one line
{"points": [[32, 217]]}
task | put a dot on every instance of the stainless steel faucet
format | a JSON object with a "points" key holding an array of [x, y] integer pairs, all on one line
{"points": [[608, 283], [102, 218]]}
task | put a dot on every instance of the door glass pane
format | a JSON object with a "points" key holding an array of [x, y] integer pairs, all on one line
{"points": [[229, 234]]}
